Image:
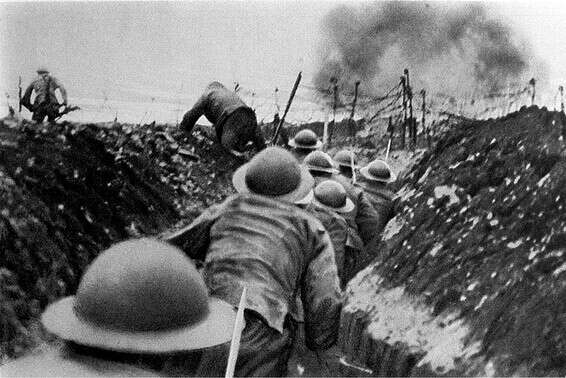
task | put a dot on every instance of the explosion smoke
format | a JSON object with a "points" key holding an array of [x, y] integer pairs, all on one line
{"points": [[448, 48]]}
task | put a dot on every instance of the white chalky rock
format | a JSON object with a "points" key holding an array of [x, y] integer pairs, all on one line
{"points": [[450, 191]]}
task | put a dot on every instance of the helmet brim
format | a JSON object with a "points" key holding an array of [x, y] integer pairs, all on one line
{"points": [[216, 328], [315, 146], [306, 184], [348, 206], [321, 169], [368, 176]]}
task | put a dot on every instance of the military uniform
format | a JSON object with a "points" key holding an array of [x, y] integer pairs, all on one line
{"points": [[45, 103], [337, 230], [364, 224], [278, 252], [381, 199], [234, 122]]}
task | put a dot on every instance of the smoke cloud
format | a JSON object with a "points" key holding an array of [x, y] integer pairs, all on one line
{"points": [[448, 48]]}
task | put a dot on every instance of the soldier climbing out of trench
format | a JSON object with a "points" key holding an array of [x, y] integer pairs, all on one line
{"points": [[260, 239], [141, 309], [46, 103], [234, 122]]}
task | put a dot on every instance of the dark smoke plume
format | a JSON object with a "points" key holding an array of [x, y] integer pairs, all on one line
{"points": [[449, 48]]}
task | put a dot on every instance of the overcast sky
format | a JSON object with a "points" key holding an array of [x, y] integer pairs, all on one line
{"points": [[155, 48]]}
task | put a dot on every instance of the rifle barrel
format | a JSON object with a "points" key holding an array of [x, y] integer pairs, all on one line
{"points": [[19, 94], [282, 120]]}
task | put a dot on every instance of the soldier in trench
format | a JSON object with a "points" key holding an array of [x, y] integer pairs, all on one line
{"points": [[364, 218], [141, 309], [234, 123], [260, 239], [304, 142], [373, 180]]}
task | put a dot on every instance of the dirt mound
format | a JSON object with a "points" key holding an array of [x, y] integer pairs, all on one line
{"points": [[469, 279], [70, 190]]}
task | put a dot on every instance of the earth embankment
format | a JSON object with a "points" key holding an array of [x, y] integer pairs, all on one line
{"points": [[70, 190], [469, 278]]}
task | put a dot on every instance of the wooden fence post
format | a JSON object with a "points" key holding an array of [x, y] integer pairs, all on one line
{"points": [[561, 89], [404, 126], [334, 82], [532, 82], [423, 119], [352, 123]]}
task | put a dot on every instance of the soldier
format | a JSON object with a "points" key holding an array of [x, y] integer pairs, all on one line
{"points": [[330, 203], [46, 103], [304, 142], [320, 165], [373, 180], [234, 122], [141, 307], [331, 218], [364, 216], [261, 240]]}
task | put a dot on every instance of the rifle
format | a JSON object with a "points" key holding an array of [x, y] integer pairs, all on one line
{"points": [[388, 149], [353, 167], [20, 94], [236, 335], [67, 110], [282, 120]]}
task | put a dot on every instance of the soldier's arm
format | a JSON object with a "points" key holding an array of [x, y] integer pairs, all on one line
{"points": [[194, 238], [191, 117], [367, 219], [259, 140], [61, 88], [322, 298], [338, 232], [27, 97]]}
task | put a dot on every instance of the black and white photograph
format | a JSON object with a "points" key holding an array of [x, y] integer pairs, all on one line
{"points": [[303, 188]]}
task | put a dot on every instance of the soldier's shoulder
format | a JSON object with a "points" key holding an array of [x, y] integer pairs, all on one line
{"points": [[57, 362]]}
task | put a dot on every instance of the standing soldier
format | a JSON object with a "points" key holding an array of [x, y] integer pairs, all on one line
{"points": [[260, 239], [304, 142], [46, 103], [141, 308], [234, 122], [374, 178]]}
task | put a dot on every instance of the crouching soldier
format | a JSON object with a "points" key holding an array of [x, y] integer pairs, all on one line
{"points": [[260, 239], [373, 180], [141, 308], [234, 122], [364, 216], [304, 142], [329, 204]]}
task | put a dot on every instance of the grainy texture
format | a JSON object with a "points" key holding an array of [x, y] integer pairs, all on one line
{"points": [[70, 190], [476, 254]]}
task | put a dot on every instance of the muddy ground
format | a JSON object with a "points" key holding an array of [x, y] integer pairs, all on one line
{"points": [[71, 190], [470, 277]]}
